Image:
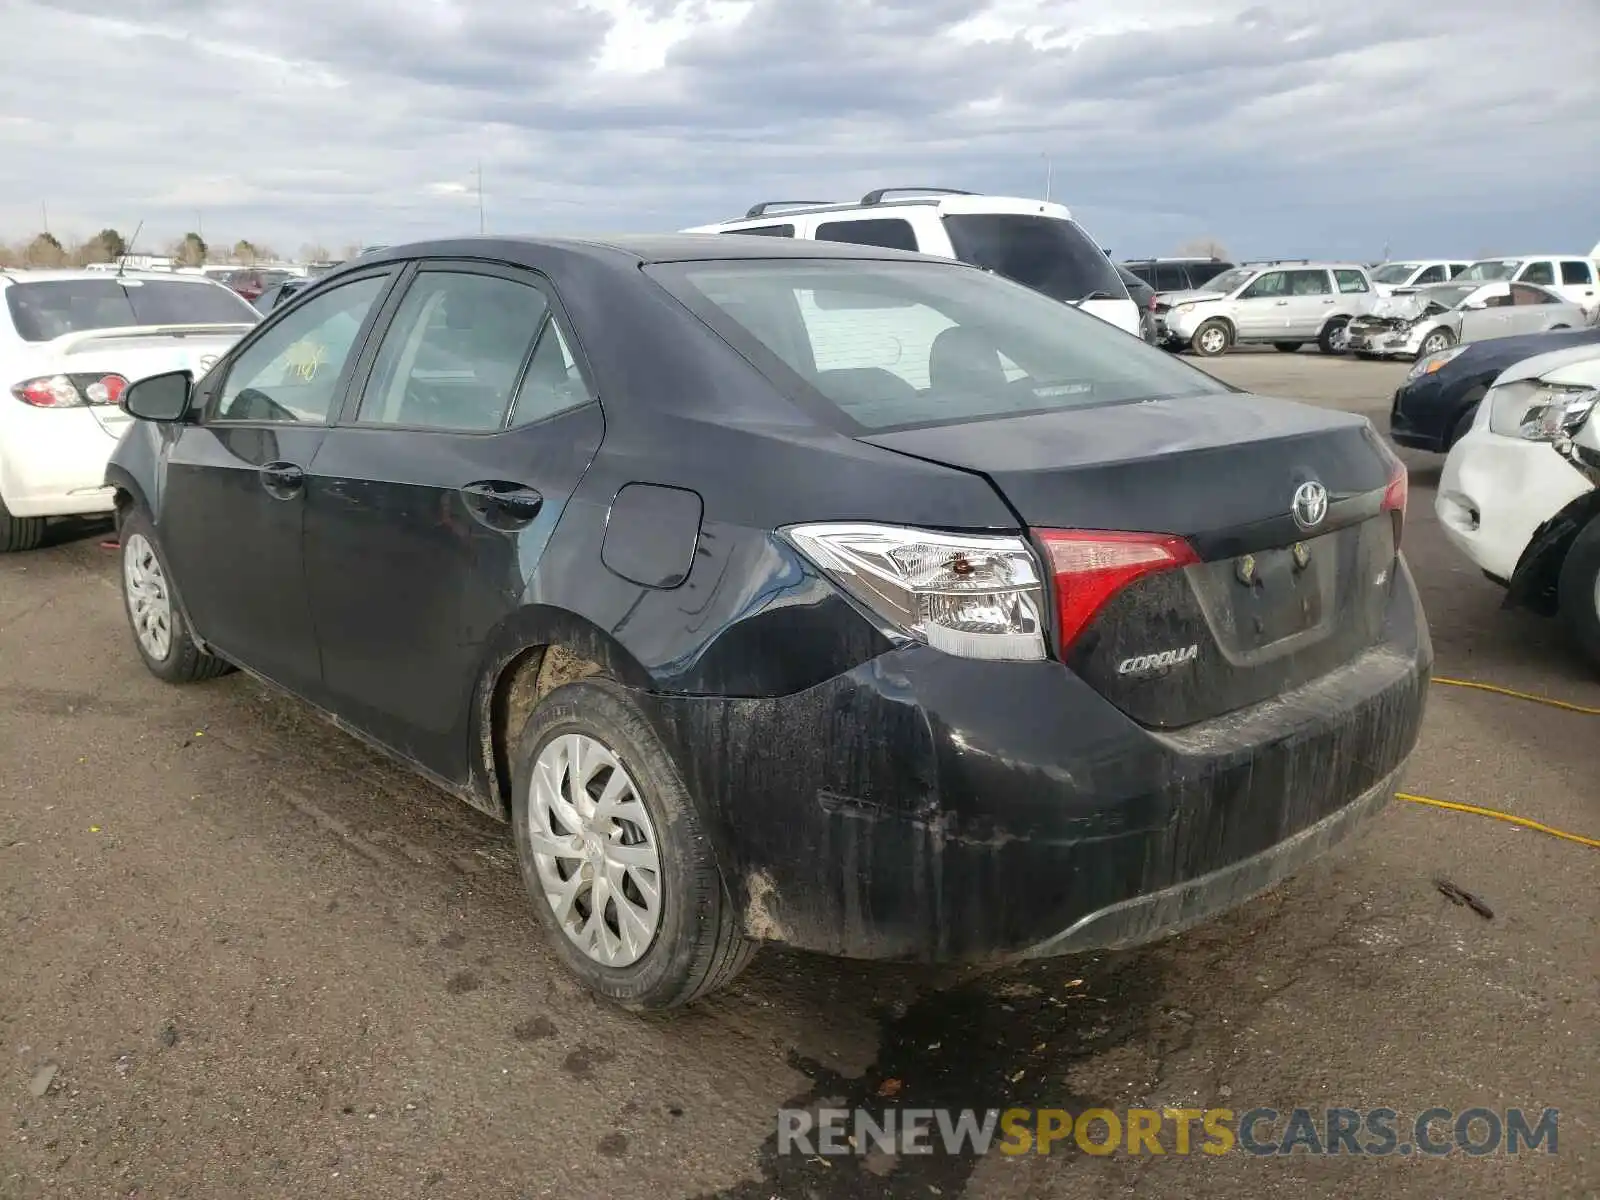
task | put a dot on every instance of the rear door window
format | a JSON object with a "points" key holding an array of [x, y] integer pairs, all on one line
{"points": [[1355, 281], [1575, 271], [1048, 254], [454, 353], [892, 233], [1309, 283], [1434, 274], [1171, 277]]}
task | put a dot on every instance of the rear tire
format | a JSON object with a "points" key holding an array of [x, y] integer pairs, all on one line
{"points": [[1578, 591], [1439, 339], [1286, 347], [160, 632], [1335, 336], [1212, 338], [696, 944], [19, 533]]}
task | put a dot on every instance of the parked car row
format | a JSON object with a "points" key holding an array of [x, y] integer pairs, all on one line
{"points": [[1400, 309]]}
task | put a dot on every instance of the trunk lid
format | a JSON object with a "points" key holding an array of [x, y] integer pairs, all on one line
{"points": [[134, 353], [1269, 605]]}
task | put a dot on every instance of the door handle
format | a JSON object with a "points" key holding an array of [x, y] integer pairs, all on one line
{"points": [[1329, 300], [282, 480], [502, 504], [1280, 303]]}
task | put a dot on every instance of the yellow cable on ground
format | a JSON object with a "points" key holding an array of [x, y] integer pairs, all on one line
{"points": [[1516, 695], [1509, 818], [1525, 822]]}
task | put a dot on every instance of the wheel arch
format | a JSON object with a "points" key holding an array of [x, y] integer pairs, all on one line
{"points": [[534, 651], [1536, 580]]}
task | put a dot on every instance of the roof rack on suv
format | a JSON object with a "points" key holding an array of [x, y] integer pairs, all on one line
{"points": [[1275, 262], [876, 196], [760, 210]]}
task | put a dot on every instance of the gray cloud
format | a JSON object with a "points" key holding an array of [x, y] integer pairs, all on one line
{"points": [[1294, 128]]}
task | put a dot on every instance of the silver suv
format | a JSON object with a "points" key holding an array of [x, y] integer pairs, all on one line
{"points": [[1283, 304]]}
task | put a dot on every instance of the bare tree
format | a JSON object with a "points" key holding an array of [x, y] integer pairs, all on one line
{"points": [[314, 252], [246, 252], [1203, 247]]}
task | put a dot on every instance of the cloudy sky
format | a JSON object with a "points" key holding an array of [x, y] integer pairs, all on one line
{"points": [[1284, 128]]}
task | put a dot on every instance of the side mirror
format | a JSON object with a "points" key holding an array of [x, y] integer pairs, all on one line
{"points": [[160, 397]]}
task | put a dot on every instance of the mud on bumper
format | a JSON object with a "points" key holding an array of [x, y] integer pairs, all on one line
{"points": [[923, 807]]}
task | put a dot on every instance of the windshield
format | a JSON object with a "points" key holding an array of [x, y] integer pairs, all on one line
{"points": [[51, 308], [894, 345], [1394, 272], [1490, 269], [1228, 280], [1048, 254]]}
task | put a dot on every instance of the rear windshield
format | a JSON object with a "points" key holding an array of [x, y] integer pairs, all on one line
{"points": [[895, 345], [1048, 254], [52, 307]]}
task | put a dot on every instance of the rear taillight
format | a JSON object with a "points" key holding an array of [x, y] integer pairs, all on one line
{"points": [[71, 391], [1091, 566], [1152, 305], [1395, 497]]}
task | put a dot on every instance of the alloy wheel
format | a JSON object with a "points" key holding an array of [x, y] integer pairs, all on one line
{"points": [[595, 850]]}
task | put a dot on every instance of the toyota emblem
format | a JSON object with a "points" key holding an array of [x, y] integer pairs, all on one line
{"points": [[1310, 505]]}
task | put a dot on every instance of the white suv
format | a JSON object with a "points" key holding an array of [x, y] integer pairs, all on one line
{"points": [[1034, 242], [70, 343], [1283, 304], [1570, 276]]}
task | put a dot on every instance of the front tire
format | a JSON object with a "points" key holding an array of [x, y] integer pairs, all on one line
{"points": [[159, 630], [614, 855], [1211, 339], [1335, 336], [19, 533], [1436, 341], [1578, 591]]}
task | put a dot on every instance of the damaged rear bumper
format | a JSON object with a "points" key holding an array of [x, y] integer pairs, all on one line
{"points": [[924, 807]]}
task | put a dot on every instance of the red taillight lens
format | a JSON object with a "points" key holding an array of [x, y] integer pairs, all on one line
{"points": [[1090, 566], [1396, 496], [70, 391]]}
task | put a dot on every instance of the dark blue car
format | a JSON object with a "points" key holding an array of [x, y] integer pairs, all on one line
{"points": [[1434, 406]]}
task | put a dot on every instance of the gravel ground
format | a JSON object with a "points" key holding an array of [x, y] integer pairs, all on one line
{"points": [[241, 956]]}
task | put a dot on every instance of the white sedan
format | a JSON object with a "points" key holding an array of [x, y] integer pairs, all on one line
{"points": [[70, 343], [1518, 494]]}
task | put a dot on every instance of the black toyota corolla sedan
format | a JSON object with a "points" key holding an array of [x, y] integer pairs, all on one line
{"points": [[791, 592]]}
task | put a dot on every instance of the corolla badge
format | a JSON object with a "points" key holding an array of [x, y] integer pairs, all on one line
{"points": [[1310, 505]]}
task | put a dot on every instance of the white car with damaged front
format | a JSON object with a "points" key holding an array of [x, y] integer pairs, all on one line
{"points": [[70, 343], [1518, 493]]}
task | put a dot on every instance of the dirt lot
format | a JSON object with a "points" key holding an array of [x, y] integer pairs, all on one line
{"points": [[241, 956]]}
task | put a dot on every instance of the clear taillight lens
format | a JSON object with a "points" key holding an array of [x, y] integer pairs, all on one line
{"points": [[70, 391], [966, 594]]}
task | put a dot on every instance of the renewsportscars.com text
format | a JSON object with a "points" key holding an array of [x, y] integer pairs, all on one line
{"points": [[1210, 1132]]}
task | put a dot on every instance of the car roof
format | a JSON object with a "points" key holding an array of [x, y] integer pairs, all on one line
{"points": [[963, 203], [639, 248], [1525, 257], [24, 275]]}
